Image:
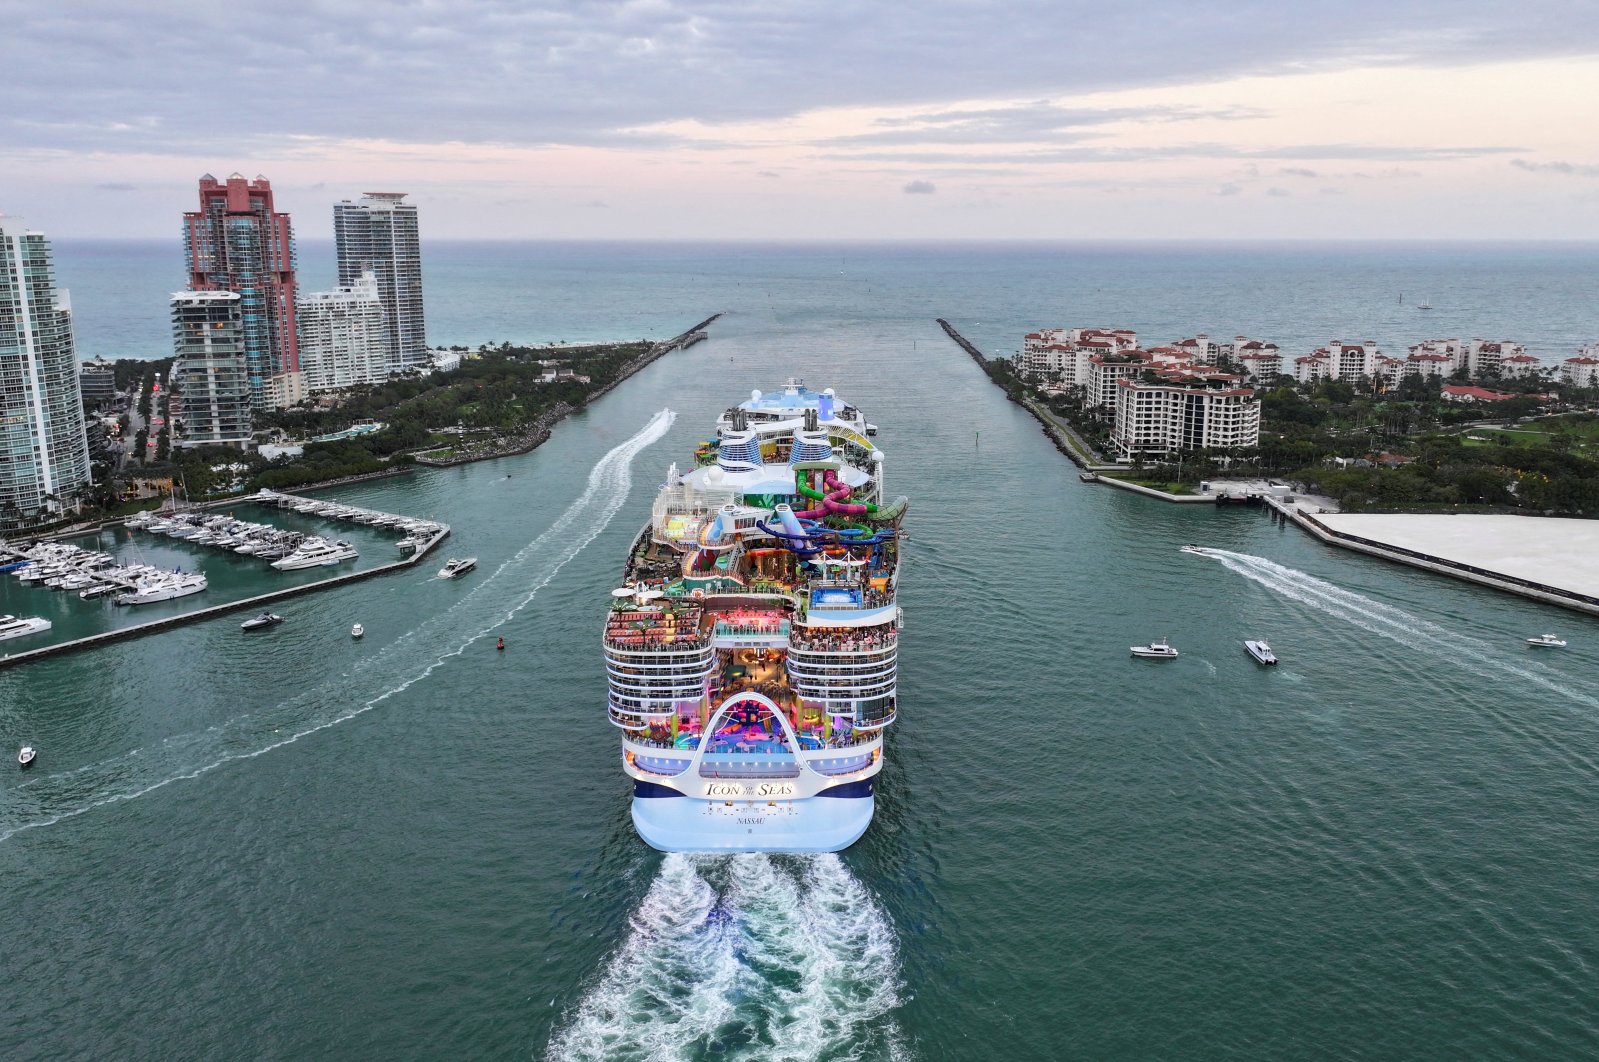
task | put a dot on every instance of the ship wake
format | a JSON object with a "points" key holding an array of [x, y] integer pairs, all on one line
{"points": [[494, 601], [745, 957], [1473, 655]]}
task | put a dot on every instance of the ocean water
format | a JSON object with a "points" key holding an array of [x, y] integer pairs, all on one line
{"points": [[297, 845]]}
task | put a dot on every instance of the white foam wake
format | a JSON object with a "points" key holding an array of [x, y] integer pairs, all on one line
{"points": [[496, 599], [1469, 654], [745, 957]]}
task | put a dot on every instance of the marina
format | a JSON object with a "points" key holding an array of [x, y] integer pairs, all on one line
{"points": [[99, 570]]}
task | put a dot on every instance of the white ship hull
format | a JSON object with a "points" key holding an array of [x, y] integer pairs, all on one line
{"points": [[816, 824]]}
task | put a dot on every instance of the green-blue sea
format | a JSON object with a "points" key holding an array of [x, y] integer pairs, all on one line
{"points": [[290, 844]]}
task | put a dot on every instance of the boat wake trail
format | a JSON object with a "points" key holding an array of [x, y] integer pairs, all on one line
{"points": [[745, 957], [495, 600], [1463, 651]]}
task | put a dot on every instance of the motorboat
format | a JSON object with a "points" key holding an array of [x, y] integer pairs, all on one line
{"points": [[1159, 649], [454, 567], [1257, 648], [20, 627], [1195, 549], [265, 619], [410, 542], [25, 756], [1548, 640], [357, 630]]}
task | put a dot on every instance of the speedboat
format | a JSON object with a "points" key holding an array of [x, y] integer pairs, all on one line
{"points": [[1549, 640], [1257, 648], [357, 630], [25, 756], [453, 567], [1192, 548], [1159, 649], [265, 619]]}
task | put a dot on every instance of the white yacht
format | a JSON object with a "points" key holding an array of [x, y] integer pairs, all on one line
{"points": [[1159, 649], [453, 567], [1257, 648], [163, 588], [314, 552], [357, 631], [1549, 640], [18, 627]]}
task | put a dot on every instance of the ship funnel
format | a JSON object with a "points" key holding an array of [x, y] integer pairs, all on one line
{"points": [[810, 420]]}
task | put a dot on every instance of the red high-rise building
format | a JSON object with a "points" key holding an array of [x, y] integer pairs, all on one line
{"points": [[237, 242]]}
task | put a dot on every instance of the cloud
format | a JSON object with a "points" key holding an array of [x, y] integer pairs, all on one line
{"points": [[920, 188], [1150, 153], [116, 186], [1297, 171], [768, 173], [1028, 122], [111, 76], [596, 204], [1566, 169], [1279, 193], [1228, 189]]}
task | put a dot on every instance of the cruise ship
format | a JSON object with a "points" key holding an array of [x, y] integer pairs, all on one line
{"points": [[751, 647]]}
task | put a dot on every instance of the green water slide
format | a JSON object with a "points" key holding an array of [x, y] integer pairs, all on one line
{"points": [[880, 514]]}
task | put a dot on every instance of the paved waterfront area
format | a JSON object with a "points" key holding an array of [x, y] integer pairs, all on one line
{"points": [[1554, 552]]}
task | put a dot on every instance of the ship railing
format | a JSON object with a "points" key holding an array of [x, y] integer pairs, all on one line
{"points": [[864, 669], [644, 642], [843, 689], [843, 644]]}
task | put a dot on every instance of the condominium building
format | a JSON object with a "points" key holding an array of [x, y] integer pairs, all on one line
{"points": [[97, 380], [1453, 352], [1058, 357], [342, 336], [210, 341], [1108, 370], [44, 454], [1485, 358], [1182, 412], [238, 242], [1261, 361], [380, 234], [1519, 366], [1583, 370]]}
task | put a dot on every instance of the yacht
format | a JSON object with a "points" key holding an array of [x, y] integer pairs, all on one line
{"points": [[752, 645], [20, 627], [1548, 640], [1195, 549], [316, 552], [1257, 648], [453, 567], [357, 630], [162, 588], [1159, 649], [25, 756], [265, 619]]}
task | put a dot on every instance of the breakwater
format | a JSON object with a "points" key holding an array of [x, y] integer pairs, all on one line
{"points": [[1060, 435]]}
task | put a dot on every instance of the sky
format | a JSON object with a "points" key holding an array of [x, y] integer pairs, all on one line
{"points": [[830, 119]]}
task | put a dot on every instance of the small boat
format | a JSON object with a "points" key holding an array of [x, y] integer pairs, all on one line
{"points": [[454, 567], [265, 619], [1548, 640], [25, 756], [357, 630], [1159, 649], [1193, 548], [1257, 648]]}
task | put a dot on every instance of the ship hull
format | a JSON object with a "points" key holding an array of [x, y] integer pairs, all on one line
{"points": [[829, 822]]}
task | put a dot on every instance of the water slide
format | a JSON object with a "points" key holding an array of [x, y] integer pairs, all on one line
{"points": [[832, 498]]}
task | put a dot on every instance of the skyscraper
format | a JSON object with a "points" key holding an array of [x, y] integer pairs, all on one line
{"points": [[342, 336], [212, 367], [237, 242], [380, 234], [44, 456]]}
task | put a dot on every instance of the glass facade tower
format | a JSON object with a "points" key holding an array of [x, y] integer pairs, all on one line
{"points": [[44, 454], [379, 234]]}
